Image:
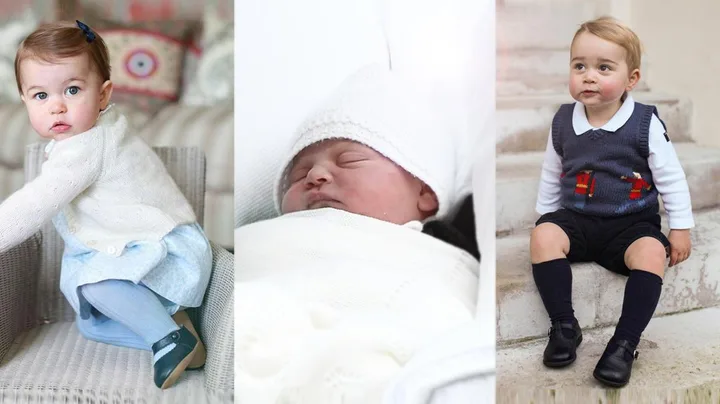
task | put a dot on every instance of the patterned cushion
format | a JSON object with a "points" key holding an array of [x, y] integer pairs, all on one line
{"points": [[144, 63], [147, 59]]}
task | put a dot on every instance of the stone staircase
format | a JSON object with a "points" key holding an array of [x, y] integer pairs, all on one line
{"points": [[533, 57]]}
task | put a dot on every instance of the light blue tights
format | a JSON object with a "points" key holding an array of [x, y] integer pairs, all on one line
{"points": [[140, 319]]}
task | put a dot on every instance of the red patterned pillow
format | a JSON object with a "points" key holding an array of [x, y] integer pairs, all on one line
{"points": [[147, 60], [145, 64]]}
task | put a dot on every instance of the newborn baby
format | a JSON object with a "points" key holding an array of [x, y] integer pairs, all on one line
{"points": [[348, 175], [341, 290], [375, 149]]}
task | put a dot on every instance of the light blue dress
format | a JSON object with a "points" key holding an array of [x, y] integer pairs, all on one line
{"points": [[176, 268]]}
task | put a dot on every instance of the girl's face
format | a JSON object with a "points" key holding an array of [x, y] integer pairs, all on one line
{"points": [[64, 98], [350, 176]]}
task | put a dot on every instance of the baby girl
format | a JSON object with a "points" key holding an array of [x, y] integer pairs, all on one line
{"points": [[135, 255]]}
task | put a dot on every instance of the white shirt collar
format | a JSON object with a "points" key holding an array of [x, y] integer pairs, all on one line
{"points": [[581, 124]]}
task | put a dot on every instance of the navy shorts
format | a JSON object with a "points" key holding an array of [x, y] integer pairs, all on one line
{"points": [[605, 239]]}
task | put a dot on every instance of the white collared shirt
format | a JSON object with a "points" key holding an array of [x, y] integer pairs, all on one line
{"points": [[668, 174]]}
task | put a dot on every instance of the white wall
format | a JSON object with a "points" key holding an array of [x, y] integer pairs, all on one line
{"points": [[680, 39]]}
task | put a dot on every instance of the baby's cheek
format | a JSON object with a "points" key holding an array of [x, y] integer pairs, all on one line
{"points": [[291, 201], [613, 88], [362, 198], [575, 84], [37, 124]]}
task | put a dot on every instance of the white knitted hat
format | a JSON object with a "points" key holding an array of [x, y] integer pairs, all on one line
{"points": [[393, 116]]}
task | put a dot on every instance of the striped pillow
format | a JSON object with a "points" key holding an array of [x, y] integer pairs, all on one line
{"points": [[210, 128]]}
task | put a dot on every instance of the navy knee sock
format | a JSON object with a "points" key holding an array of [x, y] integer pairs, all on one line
{"points": [[554, 282], [642, 293]]}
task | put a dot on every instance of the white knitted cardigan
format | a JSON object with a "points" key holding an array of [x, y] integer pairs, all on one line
{"points": [[111, 186], [330, 305]]}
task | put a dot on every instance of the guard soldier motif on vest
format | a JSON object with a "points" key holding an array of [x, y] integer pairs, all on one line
{"points": [[584, 188], [638, 183], [584, 178]]}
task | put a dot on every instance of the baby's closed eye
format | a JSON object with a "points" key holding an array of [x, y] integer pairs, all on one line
{"points": [[351, 157], [297, 174]]}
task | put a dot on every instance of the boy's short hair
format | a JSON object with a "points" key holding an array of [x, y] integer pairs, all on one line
{"points": [[616, 32], [59, 40]]}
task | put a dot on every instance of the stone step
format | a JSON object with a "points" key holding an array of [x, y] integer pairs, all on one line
{"points": [[678, 363], [531, 71], [523, 122], [598, 293], [522, 72], [518, 176], [547, 24]]}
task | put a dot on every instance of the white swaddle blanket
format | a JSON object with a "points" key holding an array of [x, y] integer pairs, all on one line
{"points": [[330, 305]]}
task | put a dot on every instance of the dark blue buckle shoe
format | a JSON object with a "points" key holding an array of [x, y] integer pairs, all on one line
{"points": [[169, 368], [615, 365], [198, 362], [561, 351]]}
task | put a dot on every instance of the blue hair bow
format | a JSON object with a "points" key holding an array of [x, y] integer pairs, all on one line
{"points": [[90, 36]]}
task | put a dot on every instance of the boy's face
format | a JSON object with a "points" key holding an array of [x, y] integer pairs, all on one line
{"points": [[64, 98], [347, 175], [599, 74]]}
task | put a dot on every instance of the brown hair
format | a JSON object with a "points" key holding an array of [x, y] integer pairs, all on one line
{"points": [[618, 33], [59, 40]]}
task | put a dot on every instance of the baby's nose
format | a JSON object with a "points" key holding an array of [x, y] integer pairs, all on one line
{"points": [[58, 107], [319, 175]]}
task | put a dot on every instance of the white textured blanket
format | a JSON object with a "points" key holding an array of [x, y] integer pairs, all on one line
{"points": [[330, 305]]}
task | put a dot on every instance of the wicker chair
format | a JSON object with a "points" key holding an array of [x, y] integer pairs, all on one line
{"points": [[43, 357]]}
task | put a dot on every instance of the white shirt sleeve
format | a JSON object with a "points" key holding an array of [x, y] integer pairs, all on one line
{"points": [[549, 195], [73, 166], [669, 178]]}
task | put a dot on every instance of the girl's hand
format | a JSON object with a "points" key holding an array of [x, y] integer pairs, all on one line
{"points": [[679, 245]]}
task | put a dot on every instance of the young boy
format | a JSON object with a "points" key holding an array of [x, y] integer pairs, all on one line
{"points": [[607, 160]]}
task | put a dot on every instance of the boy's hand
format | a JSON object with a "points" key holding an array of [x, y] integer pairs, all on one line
{"points": [[679, 245]]}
